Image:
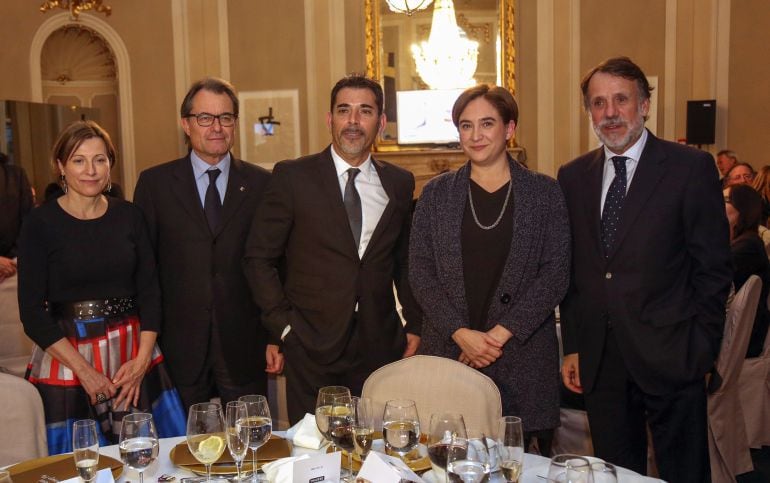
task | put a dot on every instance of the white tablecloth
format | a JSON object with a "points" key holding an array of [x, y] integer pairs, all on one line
{"points": [[534, 465]]}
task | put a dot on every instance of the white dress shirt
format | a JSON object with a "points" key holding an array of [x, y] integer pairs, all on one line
{"points": [[633, 154], [373, 196]]}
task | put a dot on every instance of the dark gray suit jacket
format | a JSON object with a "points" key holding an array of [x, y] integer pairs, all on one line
{"points": [[664, 285], [303, 219], [201, 271], [533, 282]]}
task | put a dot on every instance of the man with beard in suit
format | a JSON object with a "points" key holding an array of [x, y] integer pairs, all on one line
{"points": [[643, 316], [199, 210], [329, 240]]}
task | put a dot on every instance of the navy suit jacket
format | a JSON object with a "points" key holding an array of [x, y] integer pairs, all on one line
{"points": [[664, 285], [201, 271]]}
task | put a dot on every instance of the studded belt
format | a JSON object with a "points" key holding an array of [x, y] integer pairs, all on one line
{"points": [[90, 309]]}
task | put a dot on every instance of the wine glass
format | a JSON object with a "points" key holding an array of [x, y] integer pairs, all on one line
{"points": [[323, 407], [206, 433], [260, 425], [443, 427], [469, 459], [138, 442], [510, 447], [603, 472], [85, 448], [238, 435], [400, 426], [5, 476], [569, 468], [363, 426], [341, 427]]}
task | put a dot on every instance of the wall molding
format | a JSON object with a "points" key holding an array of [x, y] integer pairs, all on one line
{"points": [[123, 63], [722, 70], [545, 87]]}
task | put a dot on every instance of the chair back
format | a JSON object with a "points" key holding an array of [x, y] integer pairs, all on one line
{"points": [[754, 390], [15, 346], [728, 442], [437, 385], [22, 417]]}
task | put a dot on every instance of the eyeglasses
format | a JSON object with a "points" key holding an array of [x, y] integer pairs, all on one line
{"points": [[204, 119]]}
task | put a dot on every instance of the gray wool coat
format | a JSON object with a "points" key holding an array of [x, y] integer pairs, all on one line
{"points": [[533, 282]]}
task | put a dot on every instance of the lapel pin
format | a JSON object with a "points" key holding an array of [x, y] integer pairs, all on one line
{"points": [[243, 189]]}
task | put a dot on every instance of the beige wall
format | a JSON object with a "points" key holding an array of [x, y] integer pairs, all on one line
{"points": [[748, 117], [308, 44]]}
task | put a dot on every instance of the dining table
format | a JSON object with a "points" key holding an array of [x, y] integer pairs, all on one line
{"points": [[535, 466]]}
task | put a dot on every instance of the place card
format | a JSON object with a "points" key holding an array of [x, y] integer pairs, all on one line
{"points": [[386, 469], [323, 467]]}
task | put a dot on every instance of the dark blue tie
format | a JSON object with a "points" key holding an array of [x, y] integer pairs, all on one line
{"points": [[212, 203], [613, 203]]}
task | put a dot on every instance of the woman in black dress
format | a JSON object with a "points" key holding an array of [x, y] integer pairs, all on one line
{"points": [[489, 261], [86, 278], [744, 211]]}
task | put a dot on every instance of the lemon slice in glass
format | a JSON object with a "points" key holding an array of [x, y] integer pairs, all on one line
{"points": [[210, 449]]}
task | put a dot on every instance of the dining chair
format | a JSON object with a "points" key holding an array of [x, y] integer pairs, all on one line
{"points": [[728, 442], [15, 346], [22, 417], [436, 384], [754, 390]]}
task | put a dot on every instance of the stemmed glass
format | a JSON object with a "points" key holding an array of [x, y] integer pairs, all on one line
{"points": [[238, 435], [260, 425], [363, 426], [469, 459], [400, 426], [138, 442], [569, 468], [206, 433], [85, 448], [443, 428], [510, 447], [604, 472], [341, 427], [323, 407]]}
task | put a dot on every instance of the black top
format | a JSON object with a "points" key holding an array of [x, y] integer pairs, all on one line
{"points": [[484, 251], [15, 203], [65, 259], [750, 258]]}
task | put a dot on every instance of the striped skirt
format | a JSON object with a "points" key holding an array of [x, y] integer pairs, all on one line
{"points": [[107, 343]]}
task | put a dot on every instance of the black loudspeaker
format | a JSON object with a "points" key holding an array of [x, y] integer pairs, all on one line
{"points": [[701, 121]]}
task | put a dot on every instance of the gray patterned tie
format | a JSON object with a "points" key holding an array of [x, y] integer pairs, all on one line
{"points": [[613, 203], [212, 203], [352, 202]]}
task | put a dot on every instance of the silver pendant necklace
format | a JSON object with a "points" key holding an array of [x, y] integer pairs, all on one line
{"points": [[502, 212]]}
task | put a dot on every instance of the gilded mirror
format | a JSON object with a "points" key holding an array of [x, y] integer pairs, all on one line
{"points": [[391, 43]]}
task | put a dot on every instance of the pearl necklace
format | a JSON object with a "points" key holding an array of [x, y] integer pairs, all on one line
{"points": [[502, 212]]}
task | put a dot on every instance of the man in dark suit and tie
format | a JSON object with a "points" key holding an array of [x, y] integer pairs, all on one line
{"points": [[199, 210], [329, 240], [643, 317]]}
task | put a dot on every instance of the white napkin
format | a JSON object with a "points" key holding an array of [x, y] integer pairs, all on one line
{"points": [[305, 433], [282, 470]]}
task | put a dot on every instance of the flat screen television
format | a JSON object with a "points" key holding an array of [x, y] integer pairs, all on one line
{"points": [[425, 117]]}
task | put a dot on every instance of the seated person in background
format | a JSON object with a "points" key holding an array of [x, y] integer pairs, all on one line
{"points": [[744, 208], [762, 185], [726, 159], [86, 277], [15, 203], [741, 173]]}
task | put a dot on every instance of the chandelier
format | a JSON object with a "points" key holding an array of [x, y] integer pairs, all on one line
{"points": [[76, 6], [448, 59], [407, 6]]}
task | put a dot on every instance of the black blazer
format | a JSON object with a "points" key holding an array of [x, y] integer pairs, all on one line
{"points": [[200, 271], [665, 283], [15, 203], [302, 217]]}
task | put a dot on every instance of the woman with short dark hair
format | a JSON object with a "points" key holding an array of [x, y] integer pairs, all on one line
{"points": [[489, 261]]}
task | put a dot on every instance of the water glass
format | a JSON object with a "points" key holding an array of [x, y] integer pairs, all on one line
{"points": [[400, 426], [138, 442], [604, 472], [260, 426], [569, 468]]}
